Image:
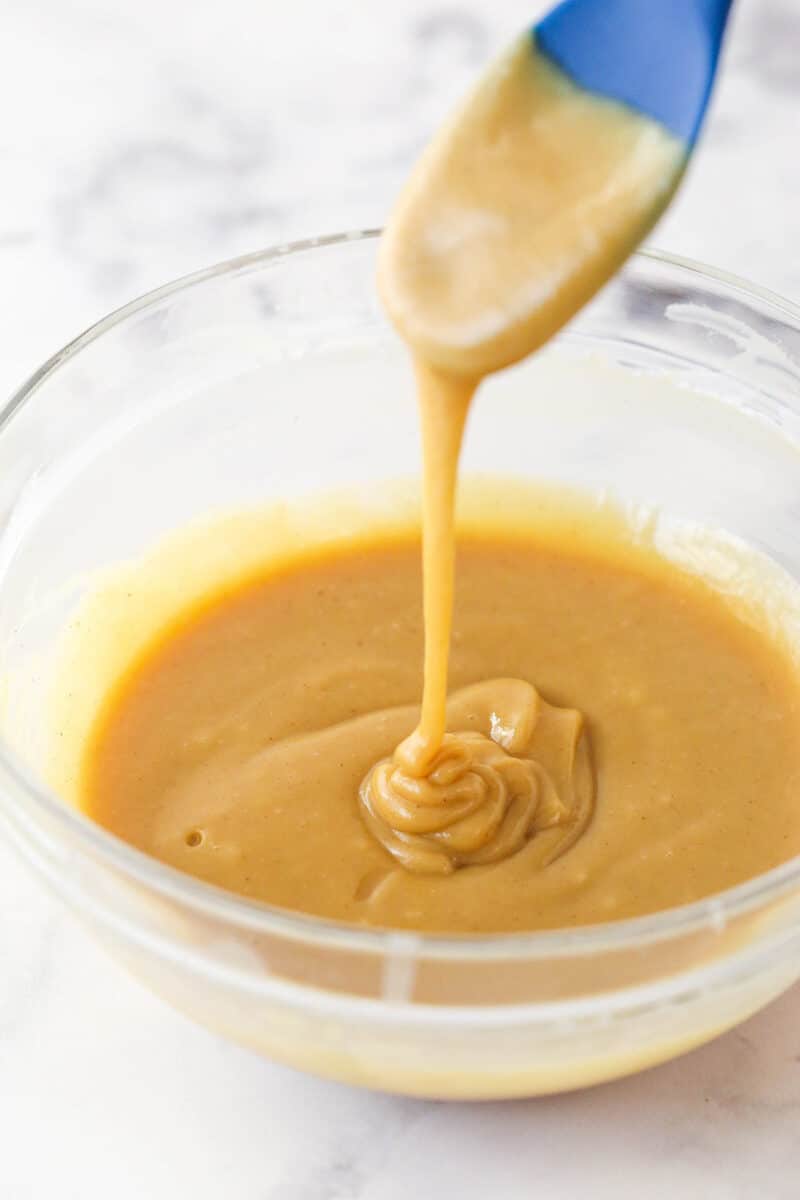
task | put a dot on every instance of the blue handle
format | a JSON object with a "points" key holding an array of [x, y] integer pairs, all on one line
{"points": [[657, 56]]}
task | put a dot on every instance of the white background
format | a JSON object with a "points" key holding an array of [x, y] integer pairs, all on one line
{"points": [[139, 141]]}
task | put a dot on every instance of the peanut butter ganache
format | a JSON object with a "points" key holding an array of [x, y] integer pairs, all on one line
{"points": [[255, 743], [601, 733]]}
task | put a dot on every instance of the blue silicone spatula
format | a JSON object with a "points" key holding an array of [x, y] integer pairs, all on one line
{"points": [[516, 214], [657, 56]]}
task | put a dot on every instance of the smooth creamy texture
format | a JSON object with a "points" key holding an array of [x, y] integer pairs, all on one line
{"points": [[448, 800], [468, 797], [253, 720], [520, 208], [526, 767]]}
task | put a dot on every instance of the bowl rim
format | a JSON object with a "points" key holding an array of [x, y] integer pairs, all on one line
{"points": [[715, 910]]}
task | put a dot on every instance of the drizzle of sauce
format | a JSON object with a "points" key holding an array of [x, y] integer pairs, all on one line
{"points": [[483, 796], [518, 211]]}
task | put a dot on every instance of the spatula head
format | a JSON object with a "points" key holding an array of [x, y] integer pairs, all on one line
{"points": [[657, 56]]}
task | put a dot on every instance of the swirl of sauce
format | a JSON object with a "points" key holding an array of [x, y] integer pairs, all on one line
{"points": [[484, 794]]}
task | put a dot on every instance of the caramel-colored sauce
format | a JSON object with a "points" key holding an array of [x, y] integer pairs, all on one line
{"points": [[234, 748], [518, 210], [616, 739]]}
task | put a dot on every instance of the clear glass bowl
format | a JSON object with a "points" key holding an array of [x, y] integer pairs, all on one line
{"points": [[275, 376]]}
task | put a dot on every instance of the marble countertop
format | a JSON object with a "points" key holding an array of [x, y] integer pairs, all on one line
{"points": [[142, 141]]}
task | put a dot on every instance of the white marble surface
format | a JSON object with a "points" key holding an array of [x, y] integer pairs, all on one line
{"points": [[143, 140]]}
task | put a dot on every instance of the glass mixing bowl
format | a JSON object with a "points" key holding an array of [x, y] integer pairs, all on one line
{"points": [[275, 376]]}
